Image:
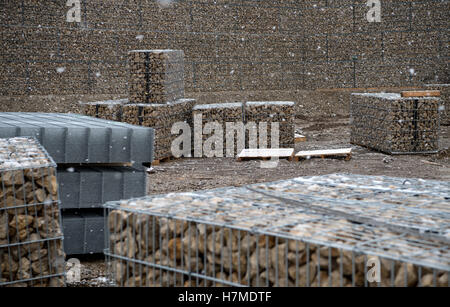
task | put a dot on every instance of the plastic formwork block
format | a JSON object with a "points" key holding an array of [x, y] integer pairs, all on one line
{"points": [[73, 138], [83, 233], [91, 187]]}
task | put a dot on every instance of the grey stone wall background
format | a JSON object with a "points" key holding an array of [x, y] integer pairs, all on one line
{"points": [[230, 45]]}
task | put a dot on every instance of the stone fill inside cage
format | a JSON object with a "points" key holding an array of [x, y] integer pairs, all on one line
{"points": [[445, 105], [31, 241], [225, 119], [156, 76], [390, 123], [280, 113], [334, 230]]}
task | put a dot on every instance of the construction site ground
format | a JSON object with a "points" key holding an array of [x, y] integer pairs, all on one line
{"points": [[183, 175]]}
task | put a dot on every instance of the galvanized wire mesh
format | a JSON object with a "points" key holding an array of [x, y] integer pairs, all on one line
{"points": [[156, 76], [31, 251], [314, 231], [445, 97], [395, 125]]}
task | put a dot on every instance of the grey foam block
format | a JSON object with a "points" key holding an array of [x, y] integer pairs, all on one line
{"points": [[74, 138], [90, 187], [83, 233]]}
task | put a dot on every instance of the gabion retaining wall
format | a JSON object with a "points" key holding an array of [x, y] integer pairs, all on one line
{"points": [[230, 46]]}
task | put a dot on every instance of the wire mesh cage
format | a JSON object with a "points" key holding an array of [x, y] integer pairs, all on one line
{"points": [[229, 117], [445, 96], [162, 118], [395, 125], [335, 230], [280, 112], [156, 76], [31, 241], [109, 109]]}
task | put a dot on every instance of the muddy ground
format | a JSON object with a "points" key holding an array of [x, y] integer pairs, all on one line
{"points": [[197, 174]]}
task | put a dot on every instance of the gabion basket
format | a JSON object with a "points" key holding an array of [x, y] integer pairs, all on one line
{"points": [[335, 230], [31, 241], [389, 123]]}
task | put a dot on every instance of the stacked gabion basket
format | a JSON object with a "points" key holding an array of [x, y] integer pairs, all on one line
{"points": [[334, 230], [219, 116], [160, 117], [281, 113], [31, 241], [156, 76], [156, 97], [156, 91], [390, 123], [252, 124]]}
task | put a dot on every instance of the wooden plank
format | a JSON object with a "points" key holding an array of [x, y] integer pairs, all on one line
{"points": [[367, 89], [69, 165], [263, 153], [162, 160], [421, 93], [300, 138], [344, 152]]}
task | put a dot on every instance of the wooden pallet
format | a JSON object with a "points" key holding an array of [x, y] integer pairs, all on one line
{"points": [[163, 160], [342, 152], [300, 138], [421, 94], [125, 164], [266, 154]]}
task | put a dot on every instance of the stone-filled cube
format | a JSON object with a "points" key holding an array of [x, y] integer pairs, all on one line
{"points": [[393, 124], [281, 112], [221, 114], [31, 241], [109, 109], [156, 76], [160, 117]]}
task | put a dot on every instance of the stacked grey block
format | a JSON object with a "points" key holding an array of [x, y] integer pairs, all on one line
{"points": [[93, 157], [390, 123], [84, 232], [73, 138], [83, 187]]}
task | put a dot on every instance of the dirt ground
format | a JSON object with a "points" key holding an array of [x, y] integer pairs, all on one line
{"points": [[198, 174]]}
